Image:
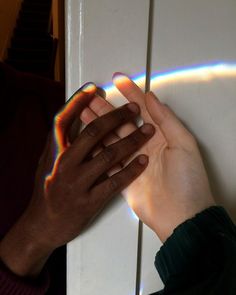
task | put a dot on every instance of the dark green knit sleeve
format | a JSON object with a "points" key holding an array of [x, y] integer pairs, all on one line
{"points": [[200, 256]]}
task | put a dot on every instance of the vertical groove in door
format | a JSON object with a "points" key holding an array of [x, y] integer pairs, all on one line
{"points": [[139, 257], [149, 46], [147, 88]]}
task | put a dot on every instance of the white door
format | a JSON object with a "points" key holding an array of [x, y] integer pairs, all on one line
{"points": [[188, 48]]}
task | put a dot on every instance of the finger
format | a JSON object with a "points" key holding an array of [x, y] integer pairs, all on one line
{"points": [[95, 131], [106, 190], [98, 107], [86, 117], [172, 128], [113, 154], [132, 92], [101, 106], [74, 130], [89, 115], [101, 92], [64, 119]]}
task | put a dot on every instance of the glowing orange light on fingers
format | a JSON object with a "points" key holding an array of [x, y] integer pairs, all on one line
{"points": [[63, 119]]}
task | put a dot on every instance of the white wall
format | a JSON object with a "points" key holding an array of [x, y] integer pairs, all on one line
{"points": [[107, 36], [104, 36]]}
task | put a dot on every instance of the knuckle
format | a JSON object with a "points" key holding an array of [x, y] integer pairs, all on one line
{"points": [[58, 121], [92, 129], [121, 114], [132, 172], [135, 138], [108, 155], [113, 185], [59, 165], [88, 204]]}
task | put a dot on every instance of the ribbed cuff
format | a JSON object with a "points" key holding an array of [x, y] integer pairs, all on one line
{"points": [[11, 284], [195, 240]]}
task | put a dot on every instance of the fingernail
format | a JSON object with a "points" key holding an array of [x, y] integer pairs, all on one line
{"points": [[143, 159], [147, 129], [133, 107], [88, 87], [119, 77]]}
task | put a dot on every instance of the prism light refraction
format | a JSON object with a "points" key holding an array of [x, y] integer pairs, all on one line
{"points": [[202, 72]]}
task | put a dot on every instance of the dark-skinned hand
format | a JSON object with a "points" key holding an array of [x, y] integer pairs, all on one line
{"points": [[67, 194]]}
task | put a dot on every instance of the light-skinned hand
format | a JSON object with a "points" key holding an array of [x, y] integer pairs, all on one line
{"points": [[175, 186]]}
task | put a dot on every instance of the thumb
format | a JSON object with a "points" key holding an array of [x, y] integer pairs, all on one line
{"points": [[172, 128]]}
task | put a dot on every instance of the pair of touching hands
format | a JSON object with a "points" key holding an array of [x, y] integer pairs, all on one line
{"points": [[174, 186], [157, 167]]}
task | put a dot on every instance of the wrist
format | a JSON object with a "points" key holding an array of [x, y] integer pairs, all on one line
{"points": [[165, 230], [21, 253]]}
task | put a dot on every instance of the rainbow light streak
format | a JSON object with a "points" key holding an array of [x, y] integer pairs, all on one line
{"points": [[132, 214], [201, 72]]}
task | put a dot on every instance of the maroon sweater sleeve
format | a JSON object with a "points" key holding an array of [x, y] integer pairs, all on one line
{"points": [[11, 284], [28, 105]]}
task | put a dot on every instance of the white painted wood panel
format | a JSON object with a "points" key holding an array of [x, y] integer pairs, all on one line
{"points": [[186, 33], [103, 37]]}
